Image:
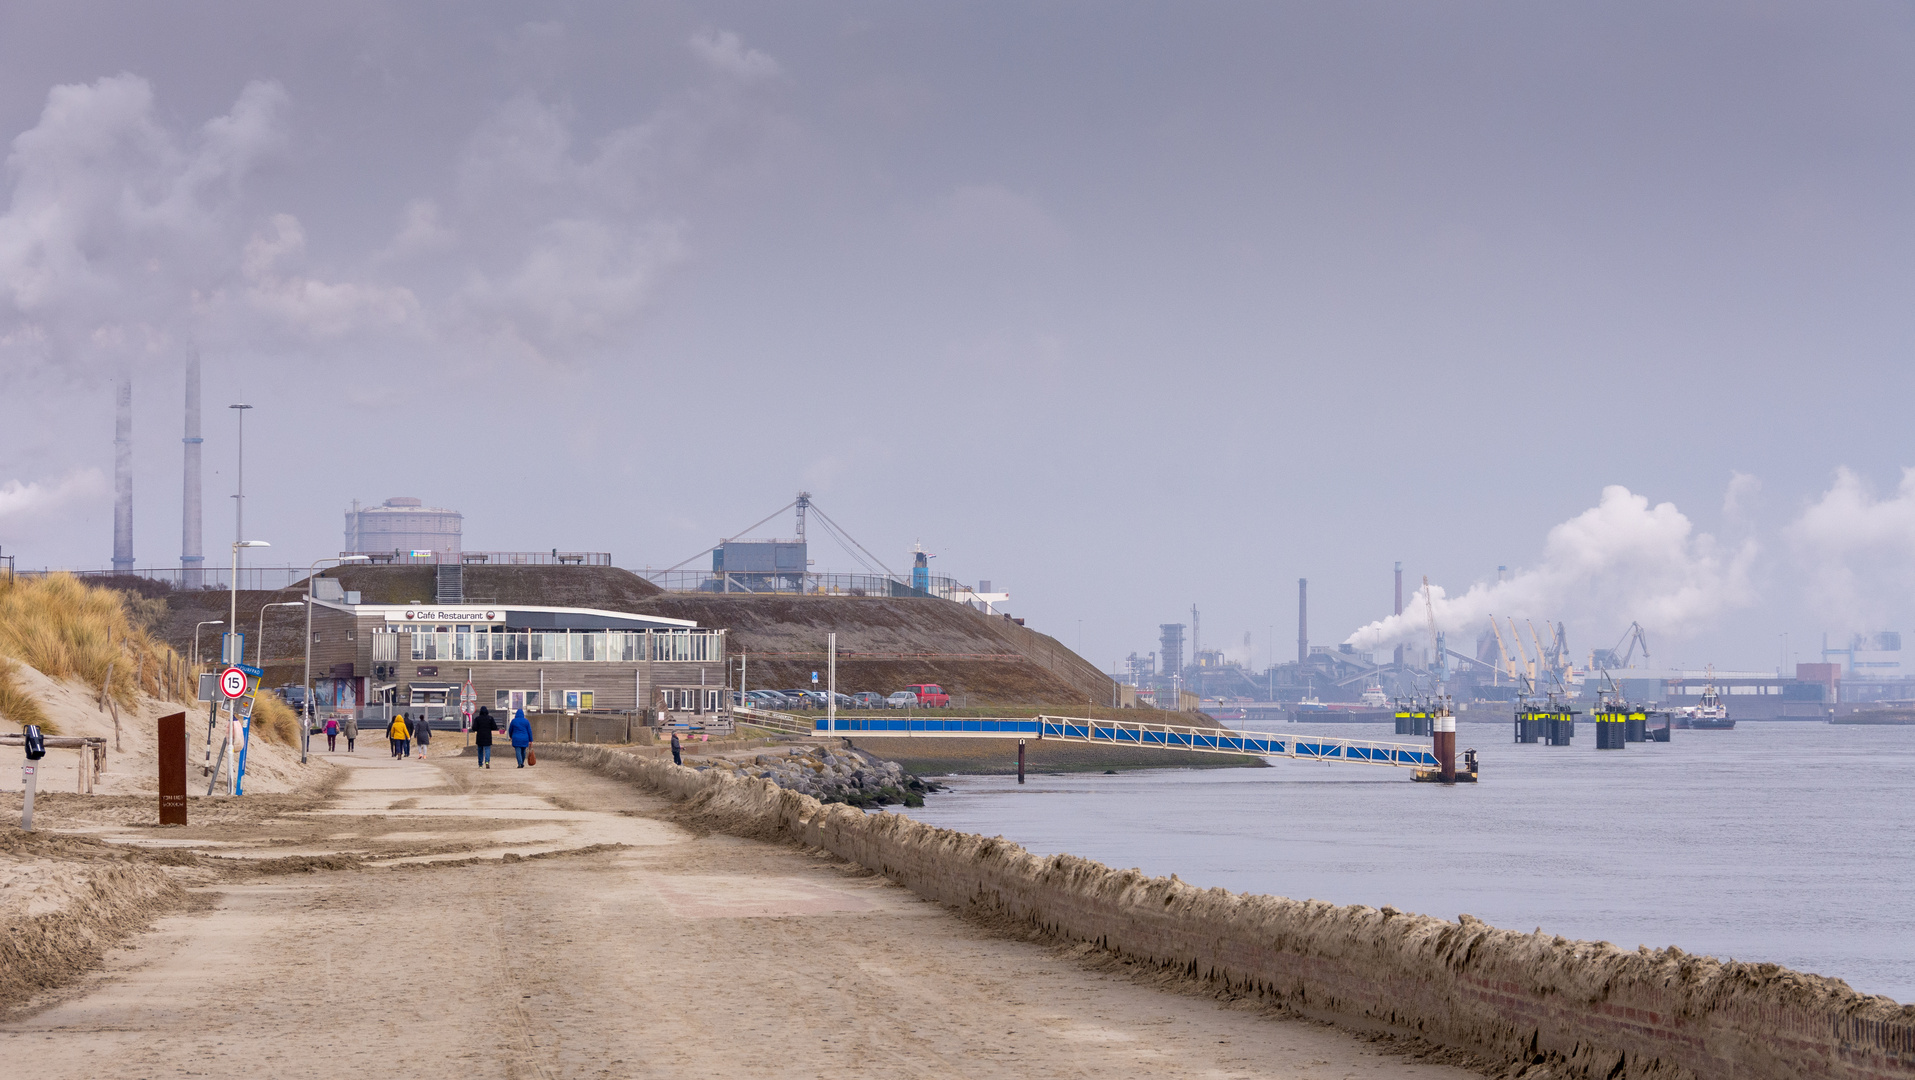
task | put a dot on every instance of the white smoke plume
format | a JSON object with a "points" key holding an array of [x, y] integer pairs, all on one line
{"points": [[1620, 561], [1856, 552], [25, 504]]}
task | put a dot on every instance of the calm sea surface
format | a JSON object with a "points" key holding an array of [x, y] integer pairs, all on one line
{"points": [[1785, 842]]}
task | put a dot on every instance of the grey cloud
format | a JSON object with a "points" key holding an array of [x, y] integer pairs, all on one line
{"points": [[117, 227], [725, 52]]}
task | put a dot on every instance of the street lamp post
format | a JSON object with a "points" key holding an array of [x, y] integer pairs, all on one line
{"points": [[208, 622], [259, 658], [233, 615], [231, 656], [306, 728], [239, 496]]}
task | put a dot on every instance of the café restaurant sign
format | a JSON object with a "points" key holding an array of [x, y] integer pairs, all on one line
{"points": [[444, 615]]}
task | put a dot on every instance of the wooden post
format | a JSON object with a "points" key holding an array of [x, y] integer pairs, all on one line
{"points": [[106, 693], [1020, 761], [173, 769]]}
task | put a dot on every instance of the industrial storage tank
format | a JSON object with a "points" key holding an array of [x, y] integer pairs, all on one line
{"points": [[403, 525]]}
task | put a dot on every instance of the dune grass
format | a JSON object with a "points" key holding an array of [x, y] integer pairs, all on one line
{"points": [[67, 629], [17, 707], [274, 720]]}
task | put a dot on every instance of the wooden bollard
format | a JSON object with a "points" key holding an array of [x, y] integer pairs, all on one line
{"points": [[1020, 761]]}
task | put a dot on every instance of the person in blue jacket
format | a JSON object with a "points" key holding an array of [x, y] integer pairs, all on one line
{"points": [[520, 732]]}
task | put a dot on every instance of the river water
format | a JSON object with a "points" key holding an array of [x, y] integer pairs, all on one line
{"points": [[1788, 842]]}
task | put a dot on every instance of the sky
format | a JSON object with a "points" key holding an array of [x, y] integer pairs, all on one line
{"points": [[1123, 307]]}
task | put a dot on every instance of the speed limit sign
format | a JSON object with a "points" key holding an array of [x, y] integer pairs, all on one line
{"points": [[232, 682]]}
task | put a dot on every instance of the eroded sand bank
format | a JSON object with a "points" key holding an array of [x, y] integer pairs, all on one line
{"points": [[431, 919]]}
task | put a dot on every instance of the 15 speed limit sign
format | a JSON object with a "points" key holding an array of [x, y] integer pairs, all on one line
{"points": [[232, 682]]}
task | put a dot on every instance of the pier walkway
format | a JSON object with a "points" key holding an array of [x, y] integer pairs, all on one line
{"points": [[1129, 733]]}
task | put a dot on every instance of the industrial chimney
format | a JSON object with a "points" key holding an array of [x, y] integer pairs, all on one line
{"points": [[123, 479], [192, 553], [1303, 620]]}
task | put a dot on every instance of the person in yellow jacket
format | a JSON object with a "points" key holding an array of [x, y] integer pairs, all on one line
{"points": [[400, 735]]}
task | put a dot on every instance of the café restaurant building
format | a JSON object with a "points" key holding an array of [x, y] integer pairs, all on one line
{"points": [[417, 658]]}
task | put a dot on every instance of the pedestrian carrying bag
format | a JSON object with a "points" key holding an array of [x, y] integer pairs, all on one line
{"points": [[531, 756]]}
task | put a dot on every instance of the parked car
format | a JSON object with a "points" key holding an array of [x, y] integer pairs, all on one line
{"points": [[768, 699], [805, 699], [903, 699], [868, 700], [930, 695]]}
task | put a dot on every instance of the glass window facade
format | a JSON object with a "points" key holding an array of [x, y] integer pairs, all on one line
{"points": [[554, 646]]}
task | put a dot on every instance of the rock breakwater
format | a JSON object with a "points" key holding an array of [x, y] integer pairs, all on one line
{"points": [[1549, 1006], [849, 776]]}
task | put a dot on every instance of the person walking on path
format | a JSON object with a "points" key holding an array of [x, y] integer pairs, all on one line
{"points": [[520, 731], [351, 729], [399, 733], [677, 758], [482, 728], [422, 734], [332, 734]]}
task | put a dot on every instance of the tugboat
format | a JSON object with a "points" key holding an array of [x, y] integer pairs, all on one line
{"points": [[1710, 714]]}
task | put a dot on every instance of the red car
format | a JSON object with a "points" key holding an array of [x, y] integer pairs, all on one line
{"points": [[930, 696]]}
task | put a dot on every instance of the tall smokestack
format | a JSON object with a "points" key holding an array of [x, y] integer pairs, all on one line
{"points": [[123, 480], [1303, 620], [192, 550], [1399, 610]]}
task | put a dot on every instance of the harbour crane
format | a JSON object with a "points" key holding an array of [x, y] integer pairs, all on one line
{"points": [[1547, 656], [1508, 660], [1528, 664], [1616, 657]]}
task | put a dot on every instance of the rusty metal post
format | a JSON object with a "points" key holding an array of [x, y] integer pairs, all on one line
{"points": [[1020, 761], [1444, 732], [173, 769]]}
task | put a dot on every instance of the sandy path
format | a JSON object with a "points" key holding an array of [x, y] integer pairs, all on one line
{"points": [[674, 955]]}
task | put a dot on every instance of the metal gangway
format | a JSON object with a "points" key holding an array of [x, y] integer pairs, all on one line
{"points": [[1209, 740]]}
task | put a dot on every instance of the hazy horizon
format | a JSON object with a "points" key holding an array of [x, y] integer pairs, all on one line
{"points": [[1123, 308]]}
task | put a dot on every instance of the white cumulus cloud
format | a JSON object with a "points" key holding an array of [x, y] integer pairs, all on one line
{"points": [[1856, 551]]}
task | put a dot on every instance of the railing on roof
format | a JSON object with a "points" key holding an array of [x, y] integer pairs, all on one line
{"points": [[792, 582], [554, 557], [256, 578], [269, 578]]}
